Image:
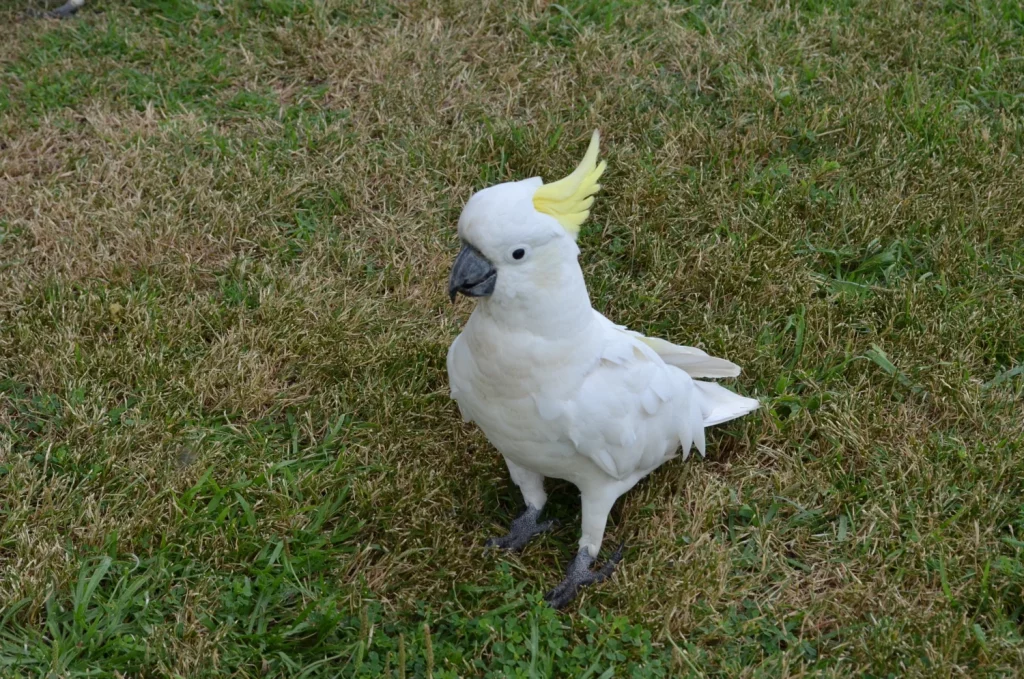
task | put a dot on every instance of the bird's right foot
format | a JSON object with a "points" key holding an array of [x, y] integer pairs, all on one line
{"points": [[524, 527]]}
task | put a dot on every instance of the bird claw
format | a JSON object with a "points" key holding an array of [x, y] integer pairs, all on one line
{"points": [[579, 576], [524, 527]]}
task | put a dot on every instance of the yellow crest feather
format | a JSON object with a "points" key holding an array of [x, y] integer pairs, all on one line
{"points": [[568, 200]]}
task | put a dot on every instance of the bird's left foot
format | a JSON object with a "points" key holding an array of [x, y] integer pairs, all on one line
{"points": [[579, 576]]}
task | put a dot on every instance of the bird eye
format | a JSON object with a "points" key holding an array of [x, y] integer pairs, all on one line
{"points": [[518, 253]]}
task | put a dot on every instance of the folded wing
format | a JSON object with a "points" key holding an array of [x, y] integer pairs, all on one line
{"points": [[693, 361]]}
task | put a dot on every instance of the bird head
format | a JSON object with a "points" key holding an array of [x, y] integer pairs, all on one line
{"points": [[519, 238]]}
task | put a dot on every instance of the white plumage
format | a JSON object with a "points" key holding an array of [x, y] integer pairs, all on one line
{"points": [[557, 388]]}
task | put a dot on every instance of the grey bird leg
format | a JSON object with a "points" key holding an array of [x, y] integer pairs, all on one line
{"points": [[524, 527], [67, 9], [579, 576]]}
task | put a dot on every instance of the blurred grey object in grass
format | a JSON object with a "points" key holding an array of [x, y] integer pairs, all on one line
{"points": [[68, 9]]}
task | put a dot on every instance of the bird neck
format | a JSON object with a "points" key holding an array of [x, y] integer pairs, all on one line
{"points": [[559, 309]]}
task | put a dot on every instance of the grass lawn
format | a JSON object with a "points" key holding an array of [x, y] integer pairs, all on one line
{"points": [[226, 442]]}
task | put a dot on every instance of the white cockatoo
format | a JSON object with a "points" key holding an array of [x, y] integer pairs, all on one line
{"points": [[558, 389]]}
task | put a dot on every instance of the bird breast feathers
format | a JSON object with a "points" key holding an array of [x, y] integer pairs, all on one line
{"points": [[607, 398]]}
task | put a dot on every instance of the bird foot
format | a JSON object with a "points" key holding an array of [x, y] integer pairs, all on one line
{"points": [[579, 576], [524, 527]]}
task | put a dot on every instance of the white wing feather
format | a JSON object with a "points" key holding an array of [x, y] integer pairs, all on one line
{"points": [[633, 411], [693, 361], [637, 409]]}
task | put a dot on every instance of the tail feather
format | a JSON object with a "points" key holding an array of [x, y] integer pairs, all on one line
{"points": [[718, 404]]}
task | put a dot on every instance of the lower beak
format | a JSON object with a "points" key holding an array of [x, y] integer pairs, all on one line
{"points": [[472, 274]]}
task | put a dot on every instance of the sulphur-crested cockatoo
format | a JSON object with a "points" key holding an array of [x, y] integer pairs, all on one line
{"points": [[557, 388]]}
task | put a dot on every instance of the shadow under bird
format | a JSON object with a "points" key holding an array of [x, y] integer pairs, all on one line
{"points": [[557, 388]]}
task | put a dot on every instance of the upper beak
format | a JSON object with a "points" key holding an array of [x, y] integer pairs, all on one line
{"points": [[472, 274]]}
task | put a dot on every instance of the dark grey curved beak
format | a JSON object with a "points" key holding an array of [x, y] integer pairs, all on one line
{"points": [[472, 274]]}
